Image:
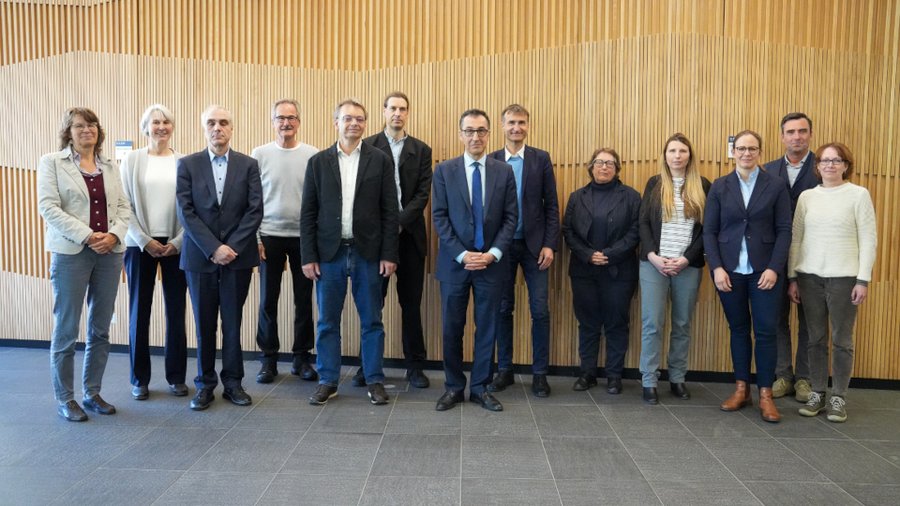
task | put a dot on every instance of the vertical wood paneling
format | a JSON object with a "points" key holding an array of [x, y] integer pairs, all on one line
{"points": [[593, 73]]}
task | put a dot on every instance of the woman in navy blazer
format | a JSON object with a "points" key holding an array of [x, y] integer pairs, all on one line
{"points": [[746, 236], [601, 228]]}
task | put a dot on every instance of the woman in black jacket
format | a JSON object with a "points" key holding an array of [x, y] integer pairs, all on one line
{"points": [[601, 228], [671, 225]]}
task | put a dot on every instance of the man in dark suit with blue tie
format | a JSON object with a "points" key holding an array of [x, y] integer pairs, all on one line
{"points": [[475, 214], [348, 229], [797, 169], [534, 242], [220, 207]]}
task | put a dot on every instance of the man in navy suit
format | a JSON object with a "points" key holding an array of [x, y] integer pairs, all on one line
{"points": [[220, 207], [348, 229], [475, 214], [796, 168], [534, 242], [412, 175]]}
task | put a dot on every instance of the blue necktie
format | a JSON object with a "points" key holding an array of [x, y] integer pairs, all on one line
{"points": [[477, 208]]}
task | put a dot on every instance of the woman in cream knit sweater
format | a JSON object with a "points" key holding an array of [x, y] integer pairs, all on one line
{"points": [[830, 266]]}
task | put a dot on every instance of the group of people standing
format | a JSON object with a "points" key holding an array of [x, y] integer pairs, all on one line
{"points": [[356, 210]]}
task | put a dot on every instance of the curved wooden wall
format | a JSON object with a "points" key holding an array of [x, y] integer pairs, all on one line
{"points": [[615, 73]]}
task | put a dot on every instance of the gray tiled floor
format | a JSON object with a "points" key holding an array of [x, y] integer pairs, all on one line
{"points": [[573, 448]]}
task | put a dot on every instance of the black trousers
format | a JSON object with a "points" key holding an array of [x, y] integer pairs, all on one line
{"points": [[141, 269], [280, 251], [410, 278], [216, 294], [602, 306]]}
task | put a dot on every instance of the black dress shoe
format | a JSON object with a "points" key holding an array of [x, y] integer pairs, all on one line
{"points": [[96, 404], [140, 392], [71, 411], [584, 382], [614, 386], [359, 379], [502, 380], [448, 400], [305, 371], [202, 399], [486, 401], [539, 385], [267, 373], [237, 395], [680, 390], [178, 389], [417, 378], [377, 395], [322, 394], [650, 395]]}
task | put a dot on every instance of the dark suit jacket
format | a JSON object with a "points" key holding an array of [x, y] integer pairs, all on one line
{"points": [[374, 207], [415, 184], [540, 207], [208, 224], [651, 224], [805, 180], [451, 209], [622, 235], [765, 223]]}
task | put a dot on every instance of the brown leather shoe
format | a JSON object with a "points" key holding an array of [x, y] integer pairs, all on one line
{"points": [[739, 399], [767, 409]]}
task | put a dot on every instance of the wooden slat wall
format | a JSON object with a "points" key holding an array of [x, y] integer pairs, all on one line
{"points": [[621, 73]]}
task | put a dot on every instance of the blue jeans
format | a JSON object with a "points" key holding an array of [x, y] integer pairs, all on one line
{"points": [[656, 293], [765, 305], [331, 290], [536, 280], [73, 276]]}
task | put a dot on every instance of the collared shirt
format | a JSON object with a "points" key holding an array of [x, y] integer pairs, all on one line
{"points": [[470, 170], [518, 164], [220, 168], [794, 170], [349, 165], [396, 149], [99, 221], [743, 266]]}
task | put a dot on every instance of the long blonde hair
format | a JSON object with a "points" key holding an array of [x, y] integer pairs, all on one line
{"points": [[691, 193]]}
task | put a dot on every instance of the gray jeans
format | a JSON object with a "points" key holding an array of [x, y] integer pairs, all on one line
{"points": [[72, 277], [827, 300], [786, 356]]}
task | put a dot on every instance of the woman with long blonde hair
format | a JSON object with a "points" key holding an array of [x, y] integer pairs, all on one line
{"points": [[671, 226]]}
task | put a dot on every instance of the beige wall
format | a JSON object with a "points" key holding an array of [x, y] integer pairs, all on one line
{"points": [[624, 74]]}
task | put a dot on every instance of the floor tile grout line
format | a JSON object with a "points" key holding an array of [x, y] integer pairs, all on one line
{"points": [[543, 446], [624, 447], [387, 421]]}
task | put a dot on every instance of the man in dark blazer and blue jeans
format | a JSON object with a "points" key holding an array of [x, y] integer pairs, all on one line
{"points": [[534, 243], [348, 229], [797, 169], [475, 213], [220, 207]]}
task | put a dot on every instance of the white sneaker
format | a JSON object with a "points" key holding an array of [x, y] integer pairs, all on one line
{"points": [[836, 411]]}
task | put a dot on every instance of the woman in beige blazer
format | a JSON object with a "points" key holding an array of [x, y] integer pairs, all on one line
{"points": [[86, 213]]}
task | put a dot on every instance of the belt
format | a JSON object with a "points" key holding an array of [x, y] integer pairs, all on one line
{"points": [[347, 242]]}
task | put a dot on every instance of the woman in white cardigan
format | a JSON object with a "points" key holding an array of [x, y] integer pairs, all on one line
{"points": [[830, 266], [86, 215], [153, 243]]}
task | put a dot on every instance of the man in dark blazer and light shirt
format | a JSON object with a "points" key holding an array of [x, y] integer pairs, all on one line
{"points": [[475, 214], [534, 243], [348, 228], [220, 207]]}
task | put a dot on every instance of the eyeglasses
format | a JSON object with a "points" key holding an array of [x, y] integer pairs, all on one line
{"points": [[84, 126], [286, 119], [351, 119], [825, 162], [604, 163], [481, 132], [747, 149]]}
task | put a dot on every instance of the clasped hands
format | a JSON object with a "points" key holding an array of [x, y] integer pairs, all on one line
{"points": [[157, 249], [476, 261], [667, 266], [102, 242]]}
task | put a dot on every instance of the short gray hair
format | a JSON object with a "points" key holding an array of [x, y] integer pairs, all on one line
{"points": [[353, 102], [212, 108], [145, 118], [284, 101]]}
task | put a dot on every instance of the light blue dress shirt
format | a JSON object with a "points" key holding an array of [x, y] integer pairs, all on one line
{"points": [[220, 168], [518, 164], [743, 266], [470, 169]]}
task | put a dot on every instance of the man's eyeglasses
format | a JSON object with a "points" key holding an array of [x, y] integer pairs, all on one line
{"points": [[747, 149], [286, 119], [481, 132]]}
